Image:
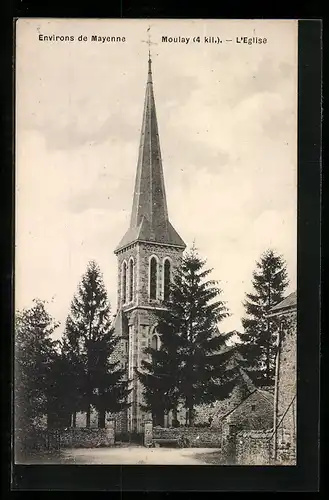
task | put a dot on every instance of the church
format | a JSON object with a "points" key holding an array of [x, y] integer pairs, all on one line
{"points": [[147, 256]]}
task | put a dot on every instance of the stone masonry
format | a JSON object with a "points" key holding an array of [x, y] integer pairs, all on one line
{"points": [[286, 393], [285, 418], [255, 412]]}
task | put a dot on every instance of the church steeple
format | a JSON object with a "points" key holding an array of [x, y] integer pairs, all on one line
{"points": [[148, 256], [149, 220]]}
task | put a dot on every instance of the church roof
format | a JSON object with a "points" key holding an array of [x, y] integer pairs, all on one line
{"points": [[149, 216]]}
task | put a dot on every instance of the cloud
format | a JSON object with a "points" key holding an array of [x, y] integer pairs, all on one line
{"points": [[227, 124], [269, 76]]}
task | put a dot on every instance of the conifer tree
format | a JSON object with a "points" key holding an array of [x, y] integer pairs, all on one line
{"points": [[67, 375], [161, 374], [258, 347], [35, 351], [191, 365], [91, 342]]}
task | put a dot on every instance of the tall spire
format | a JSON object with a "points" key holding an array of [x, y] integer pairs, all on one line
{"points": [[149, 196], [149, 216]]}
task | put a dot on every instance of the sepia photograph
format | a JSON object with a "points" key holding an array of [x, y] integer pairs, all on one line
{"points": [[155, 242]]}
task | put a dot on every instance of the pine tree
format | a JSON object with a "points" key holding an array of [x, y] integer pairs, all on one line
{"points": [[67, 376], [258, 346], [192, 361], [110, 390], [35, 351], [91, 342], [160, 375]]}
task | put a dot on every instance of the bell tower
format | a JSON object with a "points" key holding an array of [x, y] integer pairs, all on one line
{"points": [[147, 255]]}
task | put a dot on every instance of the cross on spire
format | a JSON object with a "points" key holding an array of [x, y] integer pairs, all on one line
{"points": [[148, 41]]}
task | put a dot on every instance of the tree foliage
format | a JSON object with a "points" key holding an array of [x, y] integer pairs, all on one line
{"points": [[259, 338], [191, 365], [35, 352], [90, 344]]}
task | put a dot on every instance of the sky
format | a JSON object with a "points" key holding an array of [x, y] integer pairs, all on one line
{"points": [[227, 116]]}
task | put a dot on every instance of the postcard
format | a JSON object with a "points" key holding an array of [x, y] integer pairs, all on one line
{"points": [[156, 242]]}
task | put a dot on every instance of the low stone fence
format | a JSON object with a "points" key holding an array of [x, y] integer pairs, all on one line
{"points": [[36, 440], [189, 437], [86, 438], [253, 447]]}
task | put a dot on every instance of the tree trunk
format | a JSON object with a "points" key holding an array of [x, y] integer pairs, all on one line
{"points": [[160, 418], [74, 419], [88, 416], [268, 354], [89, 388], [268, 338], [191, 416], [174, 417], [101, 419], [49, 421], [268, 364]]}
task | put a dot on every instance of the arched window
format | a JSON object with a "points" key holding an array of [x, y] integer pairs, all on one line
{"points": [[153, 278], [131, 280], [155, 342], [166, 279], [124, 282]]}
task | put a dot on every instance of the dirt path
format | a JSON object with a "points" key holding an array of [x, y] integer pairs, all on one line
{"points": [[135, 455]]}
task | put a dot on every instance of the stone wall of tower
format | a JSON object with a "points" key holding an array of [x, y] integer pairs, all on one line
{"points": [[140, 314], [161, 252], [141, 253]]}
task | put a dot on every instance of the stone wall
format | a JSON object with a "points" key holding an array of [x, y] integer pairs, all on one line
{"points": [[286, 404], [34, 439], [253, 447], [86, 438], [194, 437]]}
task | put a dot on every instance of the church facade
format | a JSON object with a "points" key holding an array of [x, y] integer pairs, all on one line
{"points": [[147, 256]]}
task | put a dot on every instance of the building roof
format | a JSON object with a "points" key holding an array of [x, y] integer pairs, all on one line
{"points": [[149, 216], [265, 395], [289, 302]]}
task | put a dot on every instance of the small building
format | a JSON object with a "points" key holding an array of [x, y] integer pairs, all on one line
{"points": [[285, 404], [243, 388], [254, 412], [245, 428]]}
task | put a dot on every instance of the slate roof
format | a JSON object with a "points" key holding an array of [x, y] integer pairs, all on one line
{"points": [[264, 394], [289, 302], [149, 216]]}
